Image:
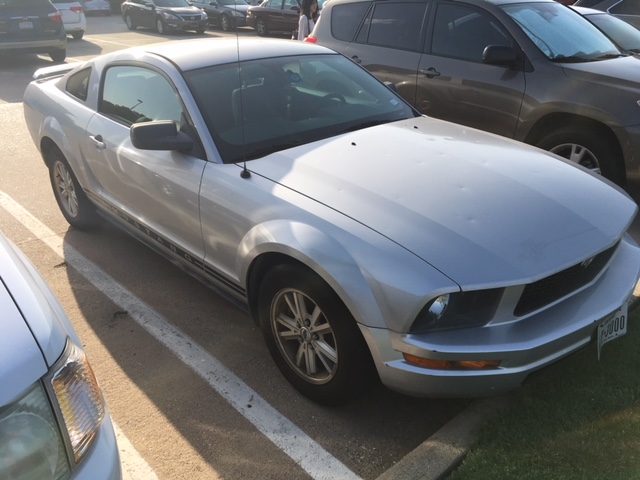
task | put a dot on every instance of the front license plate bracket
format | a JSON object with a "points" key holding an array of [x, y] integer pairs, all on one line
{"points": [[614, 326]]}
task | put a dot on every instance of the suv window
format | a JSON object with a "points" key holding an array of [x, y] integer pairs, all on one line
{"points": [[24, 3], [464, 32], [345, 20], [133, 94], [394, 25]]}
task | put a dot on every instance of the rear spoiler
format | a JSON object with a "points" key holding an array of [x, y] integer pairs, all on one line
{"points": [[55, 71]]}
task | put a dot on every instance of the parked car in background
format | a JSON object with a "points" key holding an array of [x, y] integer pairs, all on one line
{"points": [[225, 14], [32, 26], [535, 71], [274, 16], [97, 7], [163, 15], [627, 10], [625, 35], [75, 23], [362, 236], [54, 423]]}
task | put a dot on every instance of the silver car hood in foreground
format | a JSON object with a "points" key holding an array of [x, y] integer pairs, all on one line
{"points": [[481, 209]]}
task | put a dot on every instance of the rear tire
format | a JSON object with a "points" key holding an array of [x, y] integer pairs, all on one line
{"points": [[77, 35], [312, 337], [73, 202], [588, 148], [58, 55]]}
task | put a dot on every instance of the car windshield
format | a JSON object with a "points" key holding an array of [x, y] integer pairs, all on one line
{"points": [[562, 34], [621, 32], [171, 3], [263, 106]]}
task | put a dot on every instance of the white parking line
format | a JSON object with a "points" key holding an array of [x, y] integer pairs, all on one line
{"points": [[301, 448]]}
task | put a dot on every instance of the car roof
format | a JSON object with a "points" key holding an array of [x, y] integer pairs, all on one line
{"points": [[199, 53]]}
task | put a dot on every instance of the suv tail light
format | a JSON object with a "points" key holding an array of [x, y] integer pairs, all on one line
{"points": [[76, 9], [55, 17], [311, 39]]}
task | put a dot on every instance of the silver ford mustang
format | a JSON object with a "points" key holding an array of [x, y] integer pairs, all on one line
{"points": [[367, 240]]}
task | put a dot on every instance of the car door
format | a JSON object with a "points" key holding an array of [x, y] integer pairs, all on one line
{"points": [[142, 12], [389, 43], [453, 82], [290, 15], [154, 192]]}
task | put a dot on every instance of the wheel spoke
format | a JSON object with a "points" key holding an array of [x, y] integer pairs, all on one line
{"points": [[291, 326]]}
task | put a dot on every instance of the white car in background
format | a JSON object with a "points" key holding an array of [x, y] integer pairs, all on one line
{"points": [[75, 22], [54, 423]]}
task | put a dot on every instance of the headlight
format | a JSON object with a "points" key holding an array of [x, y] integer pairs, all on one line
{"points": [[31, 447], [170, 16], [40, 442], [458, 310]]}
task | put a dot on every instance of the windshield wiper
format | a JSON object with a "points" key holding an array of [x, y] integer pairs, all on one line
{"points": [[360, 126], [264, 150]]}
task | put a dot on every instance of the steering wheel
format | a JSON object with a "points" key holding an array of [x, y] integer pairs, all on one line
{"points": [[332, 97]]}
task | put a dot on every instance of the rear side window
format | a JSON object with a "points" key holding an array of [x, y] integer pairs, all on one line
{"points": [[78, 84], [626, 7], [394, 25], [345, 20]]}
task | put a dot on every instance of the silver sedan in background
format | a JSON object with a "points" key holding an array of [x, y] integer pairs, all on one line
{"points": [[368, 241]]}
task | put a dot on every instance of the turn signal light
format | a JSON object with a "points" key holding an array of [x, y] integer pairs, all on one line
{"points": [[451, 364]]}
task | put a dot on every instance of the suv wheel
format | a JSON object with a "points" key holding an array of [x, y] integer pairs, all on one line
{"points": [[129, 21], [225, 25], [588, 148]]}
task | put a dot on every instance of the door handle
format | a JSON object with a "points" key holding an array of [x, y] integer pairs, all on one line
{"points": [[430, 72], [356, 59], [97, 142]]}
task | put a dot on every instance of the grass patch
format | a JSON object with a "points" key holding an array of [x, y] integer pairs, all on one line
{"points": [[579, 419]]}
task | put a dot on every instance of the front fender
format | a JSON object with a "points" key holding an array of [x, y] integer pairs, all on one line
{"points": [[381, 284]]}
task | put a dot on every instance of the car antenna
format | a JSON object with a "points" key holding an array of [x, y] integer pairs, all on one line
{"points": [[245, 173]]}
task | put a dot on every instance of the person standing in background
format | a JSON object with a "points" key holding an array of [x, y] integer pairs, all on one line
{"points": [[306, 20]]}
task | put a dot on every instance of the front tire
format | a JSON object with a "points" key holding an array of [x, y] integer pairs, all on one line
{"points": [[130, 23], [73, 202], [225, 24], [312, 337], [261, 27], [588, 148], [161, 28]]}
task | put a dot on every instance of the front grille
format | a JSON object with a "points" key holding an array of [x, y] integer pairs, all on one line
{"points": [[543, 292]]}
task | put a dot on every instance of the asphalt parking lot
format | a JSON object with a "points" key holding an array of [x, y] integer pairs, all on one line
{"points": [[188, 380]]}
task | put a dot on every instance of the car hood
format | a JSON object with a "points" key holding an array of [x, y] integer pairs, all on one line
{"points": [[181, 10], [482, 209], [622, 72], [33, 330], [21, 362]]}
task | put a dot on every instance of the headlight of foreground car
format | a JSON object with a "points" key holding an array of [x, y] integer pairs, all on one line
{"points": [[41, 442], [458, 310]]}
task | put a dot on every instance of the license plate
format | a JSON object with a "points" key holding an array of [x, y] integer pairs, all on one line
{"points": [[25, 25], [613, 327]]}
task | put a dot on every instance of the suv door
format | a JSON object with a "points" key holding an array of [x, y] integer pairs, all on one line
{"points": [[389, 42], [453, 82]]}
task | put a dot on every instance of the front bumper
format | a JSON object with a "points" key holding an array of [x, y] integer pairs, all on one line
{"points": [[523, 346], [184, 26], [31, 46]]}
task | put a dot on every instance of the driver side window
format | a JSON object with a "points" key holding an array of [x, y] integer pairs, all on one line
{"points": [[463, 32], [133, 95]]}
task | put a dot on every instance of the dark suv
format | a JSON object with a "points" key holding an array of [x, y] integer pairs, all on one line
{"points": [[533, 70], [32, 26]]}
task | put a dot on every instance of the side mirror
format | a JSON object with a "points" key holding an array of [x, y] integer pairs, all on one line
{"points": [[161, 135], [500, 55], [391, 86]]}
